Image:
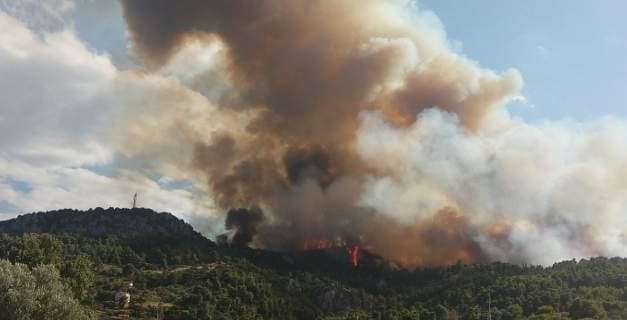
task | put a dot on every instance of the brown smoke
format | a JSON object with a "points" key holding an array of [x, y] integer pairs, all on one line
{"points": [[305, 70]]}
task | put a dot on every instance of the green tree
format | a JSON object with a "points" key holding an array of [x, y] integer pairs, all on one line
{"points": [[587, 309], [37, 294], [79, 274], [442, 312], [513, 312], [36, 249]]}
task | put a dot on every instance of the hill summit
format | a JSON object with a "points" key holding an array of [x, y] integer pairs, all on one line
{"points": [[99, 223]]}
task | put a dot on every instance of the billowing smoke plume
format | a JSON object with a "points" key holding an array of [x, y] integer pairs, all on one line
{"points": [[531, 192], [326, 95], [244, 223]]}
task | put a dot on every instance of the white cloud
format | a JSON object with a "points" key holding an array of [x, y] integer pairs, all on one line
{"points": [[542, 51], [519, 98], [522, 100], [59, 104], [49, 86], [39, 15], [59, 6]]}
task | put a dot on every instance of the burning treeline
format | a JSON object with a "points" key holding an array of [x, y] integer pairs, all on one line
{"points": [[356, 123]]}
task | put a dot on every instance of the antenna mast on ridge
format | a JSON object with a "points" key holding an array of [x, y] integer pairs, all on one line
{"points": [[135, 200]]}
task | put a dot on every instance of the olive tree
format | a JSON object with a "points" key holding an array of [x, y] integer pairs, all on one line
{"points": [[36, 294]]}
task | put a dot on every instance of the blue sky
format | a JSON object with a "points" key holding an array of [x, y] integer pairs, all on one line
{"points": [[570, 53]]}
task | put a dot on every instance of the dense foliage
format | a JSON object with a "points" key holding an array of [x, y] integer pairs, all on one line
{"points": [[189, 279], [39, 293]]}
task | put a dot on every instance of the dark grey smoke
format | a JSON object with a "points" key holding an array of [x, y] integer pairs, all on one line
{"points": [[244, 222]]}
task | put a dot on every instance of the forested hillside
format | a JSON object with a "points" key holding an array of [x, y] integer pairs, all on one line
{"points": [[178, 274]]}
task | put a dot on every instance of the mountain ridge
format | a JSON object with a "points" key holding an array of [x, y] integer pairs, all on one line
{"points": [[182, 275], [99, 222]]}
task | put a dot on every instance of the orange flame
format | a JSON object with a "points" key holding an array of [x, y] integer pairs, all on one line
{"points": [[315, 244], [354, 254], [353, 251]]}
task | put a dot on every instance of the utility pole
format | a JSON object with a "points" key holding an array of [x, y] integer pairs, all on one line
{"points": [[489, 305], [135, 201]]}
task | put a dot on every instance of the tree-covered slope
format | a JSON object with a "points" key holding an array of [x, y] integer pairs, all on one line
{"points": [[99, 222], [180, 276]]}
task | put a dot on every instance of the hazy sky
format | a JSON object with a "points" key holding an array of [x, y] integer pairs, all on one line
{"points": [[58, 59]]}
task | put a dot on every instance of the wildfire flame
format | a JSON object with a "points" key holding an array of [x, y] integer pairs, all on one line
{"points": [[353, 252], [315, 244]]}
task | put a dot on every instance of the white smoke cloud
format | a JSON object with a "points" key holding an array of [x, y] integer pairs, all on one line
{"points": [[559, 189]]}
